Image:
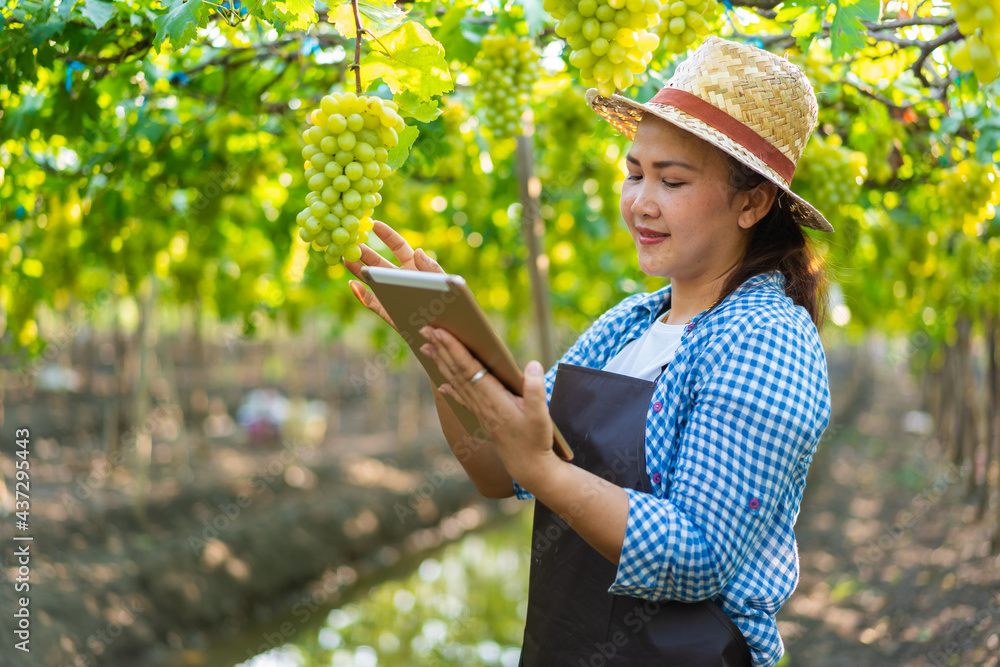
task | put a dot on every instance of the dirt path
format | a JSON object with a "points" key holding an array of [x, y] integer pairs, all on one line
{"points": [[896, 569]]}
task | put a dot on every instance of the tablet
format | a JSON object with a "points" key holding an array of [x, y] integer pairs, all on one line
{"points": [[415, 299]]}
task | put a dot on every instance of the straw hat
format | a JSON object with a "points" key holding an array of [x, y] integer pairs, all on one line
{"points": [[754, 105]]}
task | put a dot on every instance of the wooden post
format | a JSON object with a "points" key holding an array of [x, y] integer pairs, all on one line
{"points": [[990, 324], [533, 227], [408, 405], [142, 457]]}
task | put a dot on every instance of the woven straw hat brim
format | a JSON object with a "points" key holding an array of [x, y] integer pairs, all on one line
{"points": [[624, 115]]}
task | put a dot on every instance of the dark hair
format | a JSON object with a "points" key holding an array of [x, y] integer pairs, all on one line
{"points": [[778, 243]]}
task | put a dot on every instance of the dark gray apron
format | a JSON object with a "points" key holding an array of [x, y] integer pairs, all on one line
{"points": [[572, 619]]}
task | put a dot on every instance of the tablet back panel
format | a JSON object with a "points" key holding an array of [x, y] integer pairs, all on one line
{"points": [[451, 307], [415, 300]]}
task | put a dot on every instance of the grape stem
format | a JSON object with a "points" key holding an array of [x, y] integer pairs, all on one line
{"points": [[357, 44]]}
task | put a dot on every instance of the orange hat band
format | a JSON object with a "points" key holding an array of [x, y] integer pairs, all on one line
{"points": [[729, 126]]}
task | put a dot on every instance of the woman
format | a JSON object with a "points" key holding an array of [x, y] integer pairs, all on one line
{"points": [[693, 411]]}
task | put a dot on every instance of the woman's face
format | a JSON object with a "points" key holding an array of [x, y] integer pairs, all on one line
{"points": [[679, 206]]}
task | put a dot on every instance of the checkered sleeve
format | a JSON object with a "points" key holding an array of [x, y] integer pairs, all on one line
{"points": [[759, 403]]}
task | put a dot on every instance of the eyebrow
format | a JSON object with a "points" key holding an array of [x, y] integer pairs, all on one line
{"points": [[663, 164]]}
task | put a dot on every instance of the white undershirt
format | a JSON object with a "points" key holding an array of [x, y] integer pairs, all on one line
{"points": [[644, 357]]}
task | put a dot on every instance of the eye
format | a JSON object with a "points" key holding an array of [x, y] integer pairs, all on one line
{"points": [[633, 177], [672, 185]]}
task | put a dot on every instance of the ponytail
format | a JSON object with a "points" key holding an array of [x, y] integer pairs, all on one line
{"points": [[778, 243]]}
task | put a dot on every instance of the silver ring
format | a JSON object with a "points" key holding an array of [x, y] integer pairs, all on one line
{"points": [[480, 374]]}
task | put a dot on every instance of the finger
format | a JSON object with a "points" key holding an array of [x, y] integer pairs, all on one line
{"points": [[423, 262], [396, 243], [458, 365], [448, 391], [370, 301], [535, 404], [431, 349], [368, 258]]}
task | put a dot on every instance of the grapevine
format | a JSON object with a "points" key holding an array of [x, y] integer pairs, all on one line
{"points": [[979, 21], [610, 40], [829, 176], [683, 22], [968, 193], [346, 152], [509, 69]]}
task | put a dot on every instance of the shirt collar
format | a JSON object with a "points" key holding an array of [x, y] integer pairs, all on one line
{"points": [[652, 302]]}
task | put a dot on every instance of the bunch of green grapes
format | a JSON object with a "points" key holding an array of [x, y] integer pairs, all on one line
{"points": [[346, 153], [683, 22], [610, 40], [967, 194], [829, 176], [979, 21], [509, 69]]}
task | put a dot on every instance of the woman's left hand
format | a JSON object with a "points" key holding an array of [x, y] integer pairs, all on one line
{"points": [[519, 426]]}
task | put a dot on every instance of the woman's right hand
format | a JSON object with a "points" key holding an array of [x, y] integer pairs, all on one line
{"points": [[408, 259]]}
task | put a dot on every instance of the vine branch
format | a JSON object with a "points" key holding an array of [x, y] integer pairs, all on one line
{"points": [[357, 44]]}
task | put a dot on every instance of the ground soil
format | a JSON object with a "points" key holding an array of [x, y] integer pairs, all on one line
{"points": [[896, 568]]}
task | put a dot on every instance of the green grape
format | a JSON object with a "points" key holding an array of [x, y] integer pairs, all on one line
{"points": [[967, 194], [684, 22], [354, 171], [609, 40], [352, 199], [829, 177], [333, 169], [352, 253], [346, 152], [509, 68], [979, 21]]}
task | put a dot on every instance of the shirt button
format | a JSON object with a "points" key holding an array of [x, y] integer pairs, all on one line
{"points": [[656, 478], [754, 504], [657, 406]]}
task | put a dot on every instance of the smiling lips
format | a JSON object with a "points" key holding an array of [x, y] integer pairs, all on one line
{"points": [[649, 236]]}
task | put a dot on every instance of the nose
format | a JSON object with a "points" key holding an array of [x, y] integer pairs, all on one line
{"points": [[644, 204]]}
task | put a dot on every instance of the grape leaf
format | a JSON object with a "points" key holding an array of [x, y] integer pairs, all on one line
{"points": [[846, 31], [65, 8], [463, 45], [397, 156], [411, 106], [98, 12], [180, 23], [534, 15], [408, 58], [296, 14], [377, 17], [807, 25], [789, 12], [42, 33]]}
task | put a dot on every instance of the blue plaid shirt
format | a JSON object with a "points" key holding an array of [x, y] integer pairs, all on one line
{"points": [[730, 432]]}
